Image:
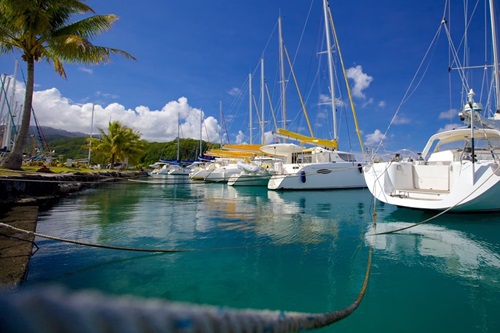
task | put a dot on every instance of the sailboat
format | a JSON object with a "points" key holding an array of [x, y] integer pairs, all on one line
{"points": [[323, 166], [458, 170], [257, 170]]}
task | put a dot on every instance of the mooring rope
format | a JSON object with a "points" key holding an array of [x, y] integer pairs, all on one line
{"points": [[32, 233], [59, 311], [56, 310]]}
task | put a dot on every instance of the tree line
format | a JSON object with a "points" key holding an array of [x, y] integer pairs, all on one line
{"points": [[143, 154]]}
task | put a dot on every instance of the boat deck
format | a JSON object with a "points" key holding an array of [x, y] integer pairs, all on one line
{"points": [[423, 194]]}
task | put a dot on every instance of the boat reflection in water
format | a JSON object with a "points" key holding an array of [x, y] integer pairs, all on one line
{"points": [[450, 252]]}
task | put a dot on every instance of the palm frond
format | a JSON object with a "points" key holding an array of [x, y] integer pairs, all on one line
{"points": [[88, 28]]}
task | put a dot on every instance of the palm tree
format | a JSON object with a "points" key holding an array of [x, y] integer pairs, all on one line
{"points": [[119, 144], [40, 30]]}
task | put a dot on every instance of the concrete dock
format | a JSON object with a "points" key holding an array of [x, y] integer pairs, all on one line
{"points": [[16, 247]]}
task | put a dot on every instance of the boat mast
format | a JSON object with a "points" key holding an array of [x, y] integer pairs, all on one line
{"points": [[91, 132], [9, 125], [282, 72], [472, 143], [250, 106], [330, 68], [262, 86], [201, 134], [495, 53], [9, 120], [178, 136]]}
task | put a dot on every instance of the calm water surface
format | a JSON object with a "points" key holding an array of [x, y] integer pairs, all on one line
{"points": [[300, 251]]}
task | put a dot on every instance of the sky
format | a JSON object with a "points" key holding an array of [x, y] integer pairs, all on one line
{"points": [[195, 57]]}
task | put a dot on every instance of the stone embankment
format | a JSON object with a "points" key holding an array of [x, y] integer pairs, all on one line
{"points": [[33, 188], [21, 195]]}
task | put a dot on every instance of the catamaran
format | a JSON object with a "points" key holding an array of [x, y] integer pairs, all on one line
{"points": [[322, 166]]}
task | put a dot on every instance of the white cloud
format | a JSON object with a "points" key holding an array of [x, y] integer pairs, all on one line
{"points": [[402, 120], [234, 92], [374, 138], [327, 100], [54, 110], [449, 127], [361, 80], [240, 138], [111, 96], [368, 102], [86, 70], [450, 114], [382, 104], [269, 137]]}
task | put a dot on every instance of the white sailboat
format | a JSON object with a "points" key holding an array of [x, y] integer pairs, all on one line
{"points": [[178, 169], [256, 172], [320, 167], [458, 170]]}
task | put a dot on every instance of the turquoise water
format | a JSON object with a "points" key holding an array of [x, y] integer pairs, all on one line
{"points": [[300, 251]]}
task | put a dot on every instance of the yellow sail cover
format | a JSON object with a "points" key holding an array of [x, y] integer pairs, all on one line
{"points": [[230, 153], [243, 147], [307, 139]]}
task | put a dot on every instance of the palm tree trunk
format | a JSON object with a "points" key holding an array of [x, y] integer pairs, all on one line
{"points": [[14, 159]]}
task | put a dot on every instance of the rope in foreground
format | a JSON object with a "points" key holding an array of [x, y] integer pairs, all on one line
{"points": [[56, 310], [53, 309]]}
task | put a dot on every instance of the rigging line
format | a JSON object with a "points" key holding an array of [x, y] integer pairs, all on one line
{"points": [[292, 72], [454, 53], [409, 92], [349, 93], [271, 105], [9, 110], [257, 110], [291, 63], [269, 39]]}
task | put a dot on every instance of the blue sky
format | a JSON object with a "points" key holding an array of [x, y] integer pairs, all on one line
{"points": [[196, 55]]}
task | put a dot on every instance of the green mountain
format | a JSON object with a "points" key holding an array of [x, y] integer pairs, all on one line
{"points": [[66, 145]]}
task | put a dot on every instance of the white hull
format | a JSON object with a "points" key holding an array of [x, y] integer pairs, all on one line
{"points": [[256, 173], [199, 174], [179, 171], [160, 169], [436, 186], [245, 179], [222, 174], [318, 176]]}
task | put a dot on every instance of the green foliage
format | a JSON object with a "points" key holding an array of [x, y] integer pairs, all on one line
{"points": [[189, 150], [119, 144], [72, 148], [77, 148]]}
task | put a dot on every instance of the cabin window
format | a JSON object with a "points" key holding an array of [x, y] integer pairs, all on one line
{"points": [[301, 158], [347, 157]]}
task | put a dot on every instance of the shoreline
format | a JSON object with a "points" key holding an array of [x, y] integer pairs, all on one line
{"points": [[21, 198]]}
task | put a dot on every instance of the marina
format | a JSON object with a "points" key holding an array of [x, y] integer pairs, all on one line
{"points": [[251, 248], [172, 218]]}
